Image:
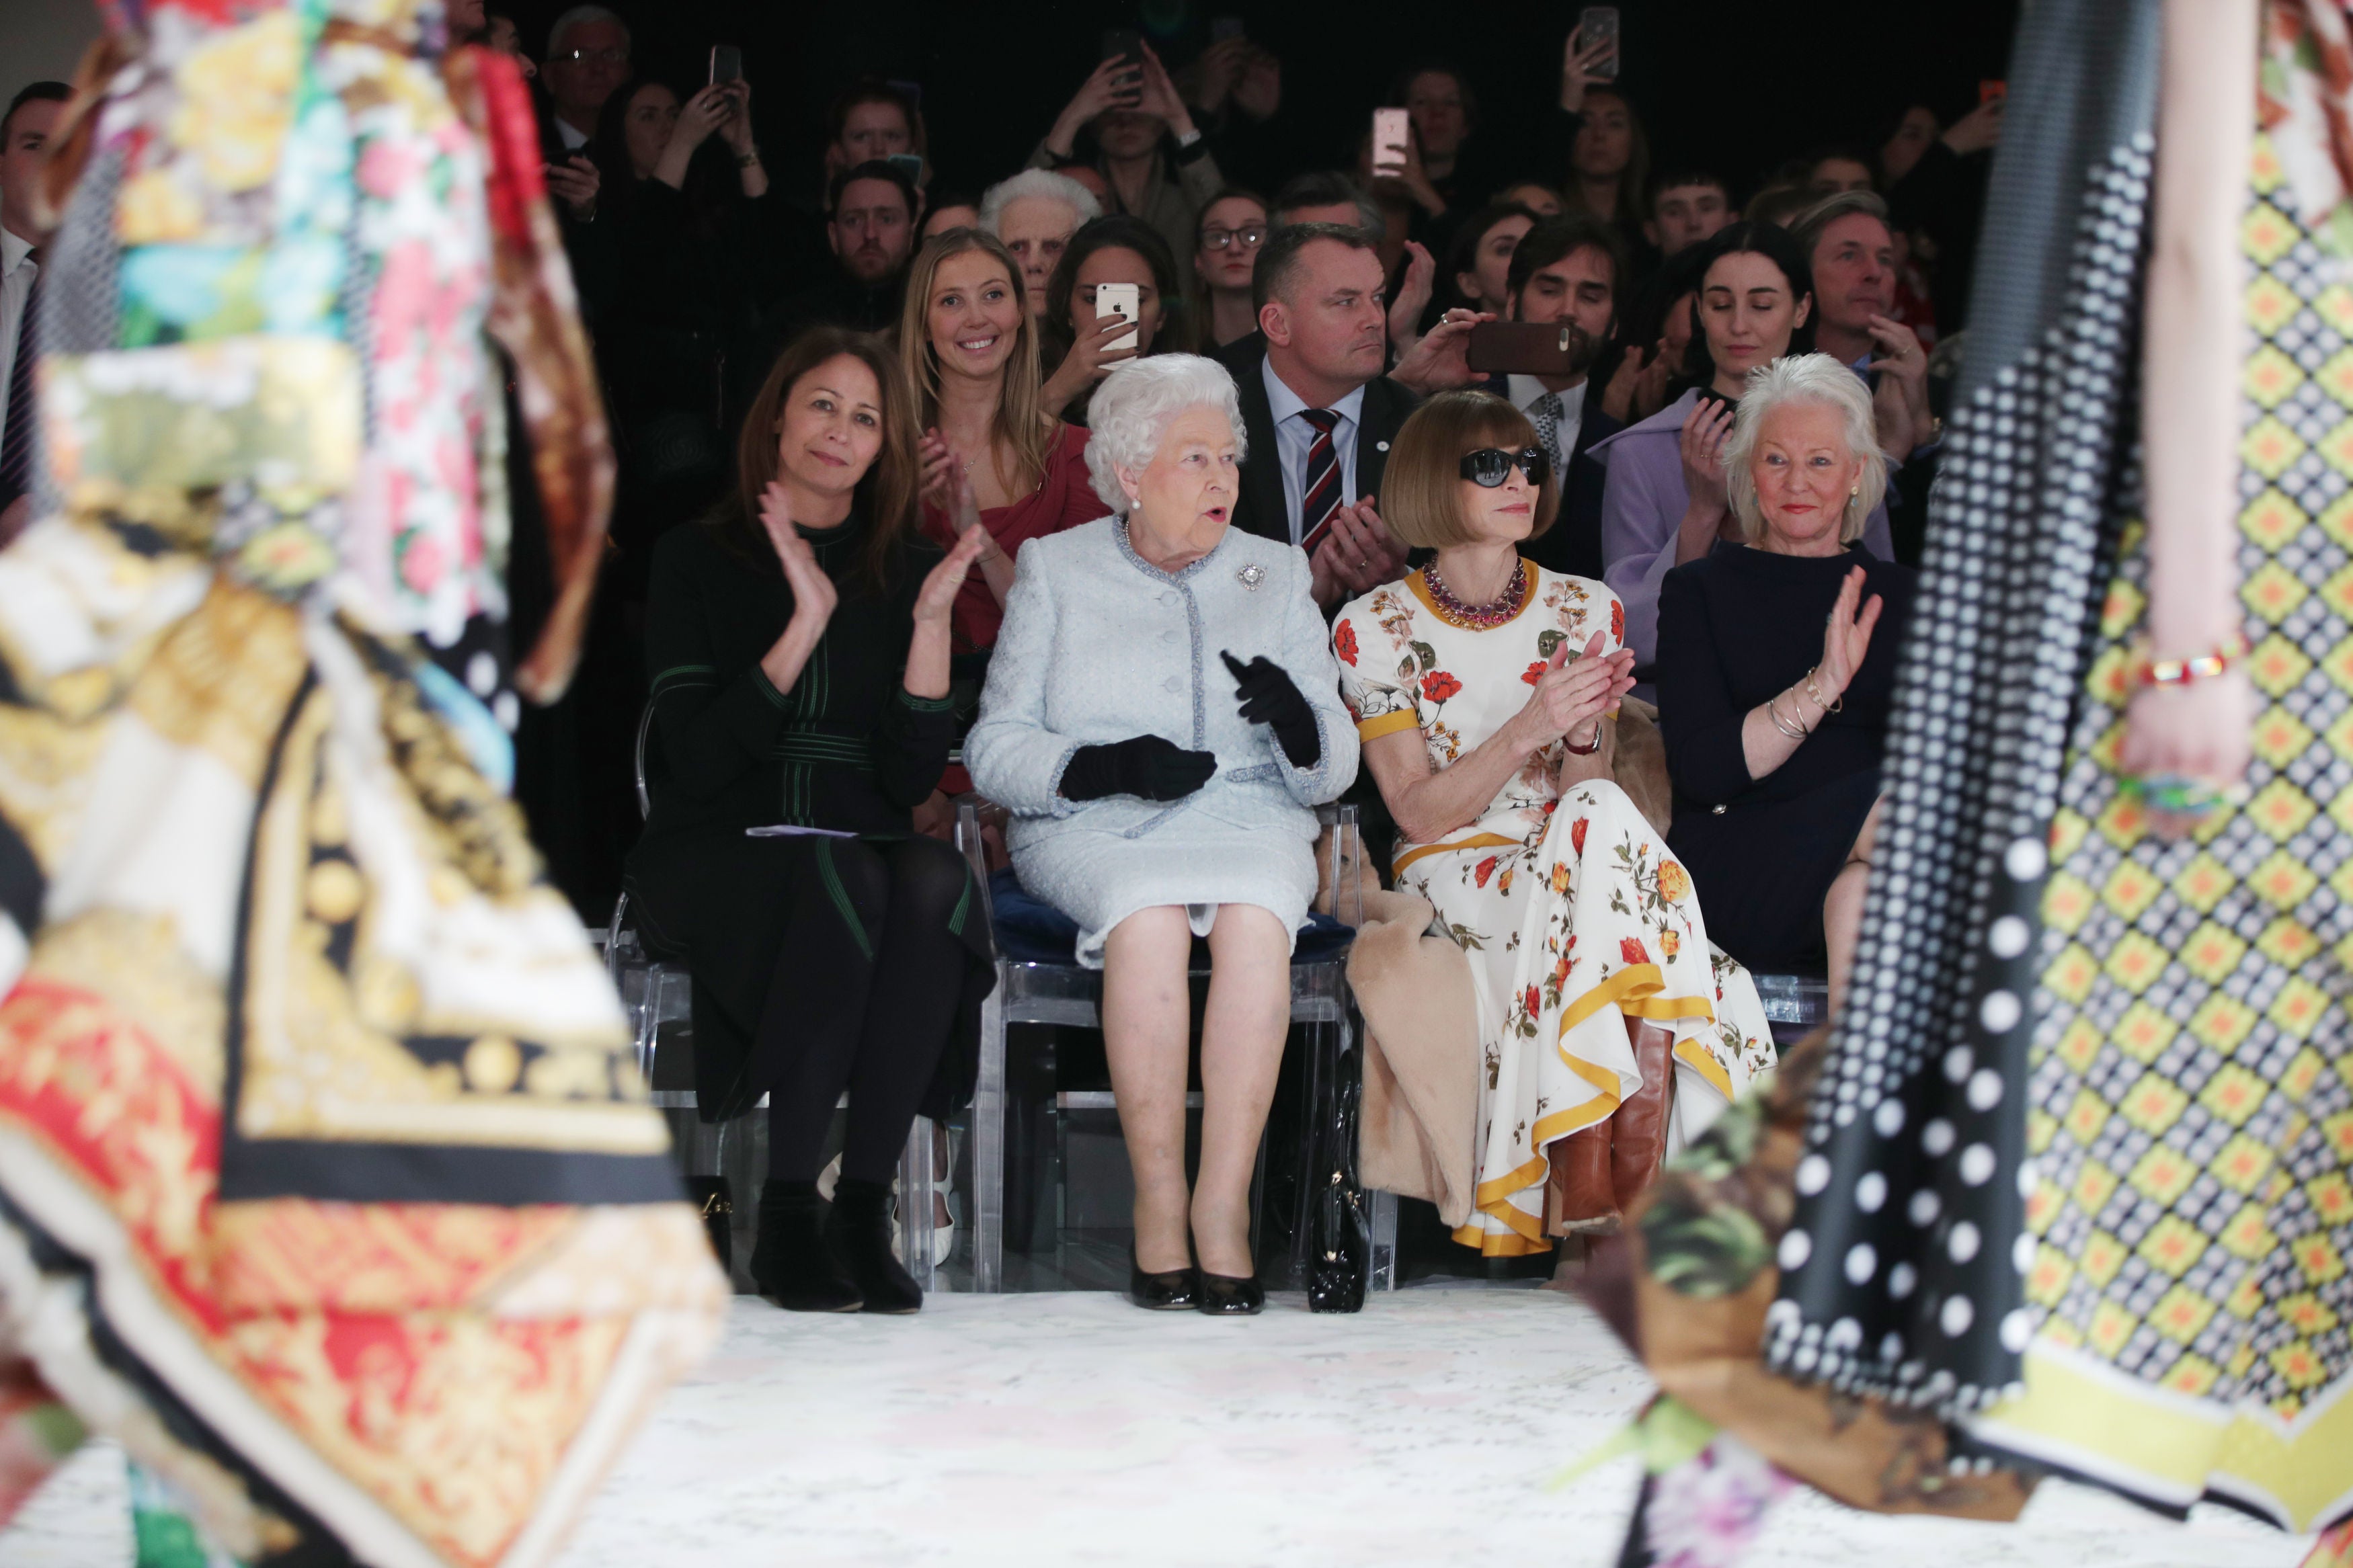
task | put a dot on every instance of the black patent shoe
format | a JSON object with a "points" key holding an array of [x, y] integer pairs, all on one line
{"points": [[1223, 1295], [860, 1230], [1173, 1291], [791, 1263]]}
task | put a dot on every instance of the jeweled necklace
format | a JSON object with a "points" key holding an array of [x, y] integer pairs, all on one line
{"points": [[1477, 617]]}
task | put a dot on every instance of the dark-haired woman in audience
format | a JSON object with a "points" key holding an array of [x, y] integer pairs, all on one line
{"points": [[1777, 661], [1610, 166], [1485, 691], [798, 643], [1479, 263], [1078, 338], [1233, 227], [994, 459], [1664, 502]]}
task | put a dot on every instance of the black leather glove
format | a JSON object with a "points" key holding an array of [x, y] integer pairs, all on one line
{"points": [[1144, 765], [1270, 699]]}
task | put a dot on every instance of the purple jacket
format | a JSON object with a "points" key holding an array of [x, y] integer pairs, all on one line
{"points": [[1642, 505]]}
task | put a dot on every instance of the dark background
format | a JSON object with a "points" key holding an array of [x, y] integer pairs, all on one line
{"points": [[1721, 84]]}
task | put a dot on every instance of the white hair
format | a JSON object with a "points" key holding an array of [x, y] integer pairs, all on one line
{"points": [[1134, 406], [1037, 182], [1805, 378], [581, 16]]}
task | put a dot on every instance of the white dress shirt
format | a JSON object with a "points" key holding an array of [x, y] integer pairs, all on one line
{"points": [[1294, 433], [17, 271], [1525, 392], [572, 140]]}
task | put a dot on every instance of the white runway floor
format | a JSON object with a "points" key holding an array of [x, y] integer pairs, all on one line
{"points": [[1051, 1430]]}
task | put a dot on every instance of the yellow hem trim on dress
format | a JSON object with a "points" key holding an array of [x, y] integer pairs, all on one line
{"points": [[1381, 724], [2174, 1447], [1419, 584], [1476, 841], [1501, 1188], [1500, 1244], [1627, 988], [1696, 1056]]}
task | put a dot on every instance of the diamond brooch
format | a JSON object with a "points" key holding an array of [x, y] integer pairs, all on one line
{"points": [[1250, 576]]}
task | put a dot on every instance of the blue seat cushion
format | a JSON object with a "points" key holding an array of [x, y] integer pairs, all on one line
{"points": [[1031, 931]]}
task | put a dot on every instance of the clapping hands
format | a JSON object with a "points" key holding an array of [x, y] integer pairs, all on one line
{"points": [[1573, 693]]}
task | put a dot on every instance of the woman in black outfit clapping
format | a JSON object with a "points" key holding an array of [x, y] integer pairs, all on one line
{"points": [[797, 647]]}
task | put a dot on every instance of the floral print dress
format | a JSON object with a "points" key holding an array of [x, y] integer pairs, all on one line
{"points": [[1573, 914]]}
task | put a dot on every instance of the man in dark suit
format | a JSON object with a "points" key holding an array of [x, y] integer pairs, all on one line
{"points": [[1571, 270], [1318, 415]]}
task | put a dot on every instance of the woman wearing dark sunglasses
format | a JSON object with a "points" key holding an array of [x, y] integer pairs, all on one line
{"points": [[1486, 689]]}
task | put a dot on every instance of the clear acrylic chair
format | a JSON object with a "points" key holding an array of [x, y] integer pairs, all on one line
{"points": [[1312, 1208]]}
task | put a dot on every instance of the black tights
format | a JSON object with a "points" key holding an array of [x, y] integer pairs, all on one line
{"points": [[862, 999]]}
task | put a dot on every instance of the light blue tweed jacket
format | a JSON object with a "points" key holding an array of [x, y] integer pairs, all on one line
{"points": [[1098, 646]]}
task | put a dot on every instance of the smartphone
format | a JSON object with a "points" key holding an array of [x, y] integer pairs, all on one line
{"points": [[1989, 90], [1126, 43], [1392, 133], [1597, 24], [908, 163], [1524, 348], [726, 63], [1119, 299], [1224, 28]]}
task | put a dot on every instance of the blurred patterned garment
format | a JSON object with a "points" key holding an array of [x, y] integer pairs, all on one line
{"points": [[2073, 1192], [328, 1188]]}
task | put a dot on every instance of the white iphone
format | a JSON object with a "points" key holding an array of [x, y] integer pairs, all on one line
{"points": [[1120, 299], [1391, 134]]}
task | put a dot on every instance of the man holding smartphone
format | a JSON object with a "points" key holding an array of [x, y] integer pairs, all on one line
{"points": [[1567, 269]]}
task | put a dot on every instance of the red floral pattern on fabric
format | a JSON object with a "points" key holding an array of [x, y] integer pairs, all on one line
{"points": [[1486, 868], [1344, 642], [1534, 672], [1631, 950], [1437, 686]]}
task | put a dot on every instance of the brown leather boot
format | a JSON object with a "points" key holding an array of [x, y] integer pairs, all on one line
{"points": [[1638, 1146], [1582, 1198]]}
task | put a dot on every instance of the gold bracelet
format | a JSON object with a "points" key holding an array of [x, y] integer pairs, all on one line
{"points": [[1815, 692]]}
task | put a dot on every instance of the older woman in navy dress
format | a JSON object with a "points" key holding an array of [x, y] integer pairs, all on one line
{"points": [[1162, 717]]}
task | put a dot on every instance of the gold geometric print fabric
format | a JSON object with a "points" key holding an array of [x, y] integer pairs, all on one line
{"points": [[2192, 1121]]}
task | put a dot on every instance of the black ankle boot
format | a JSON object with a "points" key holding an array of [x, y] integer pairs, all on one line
{"points": [[860, 1229], [792, 1263]]}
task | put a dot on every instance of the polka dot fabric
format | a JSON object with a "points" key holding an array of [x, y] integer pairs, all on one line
{"points": [[1904, 1272]]}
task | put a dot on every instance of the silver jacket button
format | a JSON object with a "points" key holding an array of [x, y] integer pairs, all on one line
{"points": [[1715, 810]]}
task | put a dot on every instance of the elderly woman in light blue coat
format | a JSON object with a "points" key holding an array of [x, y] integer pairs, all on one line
{"points": [[1162, 717]]}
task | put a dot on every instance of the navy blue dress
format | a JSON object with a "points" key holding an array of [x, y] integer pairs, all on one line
{"points": [[1737, 626]]}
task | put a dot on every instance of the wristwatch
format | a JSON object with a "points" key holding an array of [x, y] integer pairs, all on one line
{"points": [[1187, 138], [746, 160]]}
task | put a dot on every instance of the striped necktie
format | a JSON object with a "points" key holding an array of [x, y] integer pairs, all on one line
{"points": [[16, 440], [1319, 491]]}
